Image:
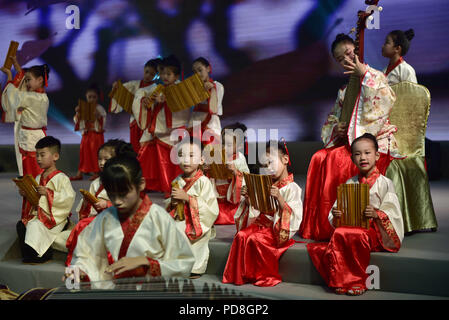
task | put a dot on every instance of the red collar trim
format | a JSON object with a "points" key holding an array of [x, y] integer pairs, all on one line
{"points": [[284, 182], [40, 90], [391, 67], [371, 179], [43, 181]]}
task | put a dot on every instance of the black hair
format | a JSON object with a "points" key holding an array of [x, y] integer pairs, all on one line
{"points": [[95, 88], [49, 142], [39, 71], [172, 62], [120, 174], [279, 145], [121, 148], [202, 60], [153, 63], [190, 140], [402, 39], [234, 126], [341, 37], [366, 136]]}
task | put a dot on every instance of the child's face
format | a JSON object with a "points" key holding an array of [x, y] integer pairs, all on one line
{"points": [[168, 76], [202, 71], [91, 96], [388, 48], [230, 145], [189, 156], [276, 163], [104, 155], [46, 157], [31, 82], [148, 74], [364, 155], [127, 203], [342, 51]]}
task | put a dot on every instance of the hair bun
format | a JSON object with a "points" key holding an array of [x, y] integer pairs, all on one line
{"points": [[409, 34]]}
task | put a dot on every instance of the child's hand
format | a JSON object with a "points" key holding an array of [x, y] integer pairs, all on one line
{"points": [[101, 205], [179, 194], [160, 98], [146, 101], [342, 128], [336, 213], [83, 275], [22, 193], [274, 191], [125, 264], [354, 67], [370, 212], [114, 85], [41, 190], [7, 72], [77, 109], [244, 193], [231, 166], [208, 85], [206, 167]]}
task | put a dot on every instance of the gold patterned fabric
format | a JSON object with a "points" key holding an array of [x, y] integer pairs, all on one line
{"points": [[409, 176], [410, 112]]}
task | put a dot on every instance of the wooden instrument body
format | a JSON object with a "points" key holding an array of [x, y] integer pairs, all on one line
{"points": [[259, 194], [217, 170], [87, 110], [123, 96], [186, 94], [12, 51], [28, 185], [89, 197], [179, 205], [352, 200]]}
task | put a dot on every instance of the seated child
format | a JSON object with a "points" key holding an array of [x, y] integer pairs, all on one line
{"points": [[133, 238], [86, 211], [198, 208], [228, 191], [261, 237], [41, 226], [342, 262]]}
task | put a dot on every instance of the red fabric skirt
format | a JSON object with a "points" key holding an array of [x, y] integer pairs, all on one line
{"points": [[157, 168], [29, 163], [73, 237], [90, 143], [254, 257], [135, 133], [328, 169], [342, 262], [226, 212]]}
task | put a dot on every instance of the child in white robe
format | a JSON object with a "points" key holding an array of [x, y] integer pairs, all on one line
{"points": [[396, 46], [133, 238], [194, 193], [41, 227]]}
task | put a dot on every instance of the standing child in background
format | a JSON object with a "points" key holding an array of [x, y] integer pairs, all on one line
{"points": [[342, 262], [156, 142], [150, 71], [194, 194], [40, 227], [29, 110], [208, 112], [228, 191], [395, 47], [93, 136], [133, 238], [261, 237], [86, 211]]}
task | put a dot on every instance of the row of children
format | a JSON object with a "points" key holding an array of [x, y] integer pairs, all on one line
{"points": [[262, 238]]}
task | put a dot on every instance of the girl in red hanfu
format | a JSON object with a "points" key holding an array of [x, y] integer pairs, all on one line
{"points": [[156, 142], [93, 136], [150, 72], [342, 262], [28, 109], [200, 207], [228, 191], [133, 238], [262, 238], [207, 113], [86, 211], [331, 166], [395, 47]]}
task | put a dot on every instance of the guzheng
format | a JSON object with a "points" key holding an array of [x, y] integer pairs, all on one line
{"points": [[87, 110], [217, 170], [186, 94], [12, 51], [123, 96], [259, 194], [89, 196], [352, 199], [28, 185], [180, 205]]}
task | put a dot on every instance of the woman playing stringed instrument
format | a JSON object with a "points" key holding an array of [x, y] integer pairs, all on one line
{"points": [[362, 106]]}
